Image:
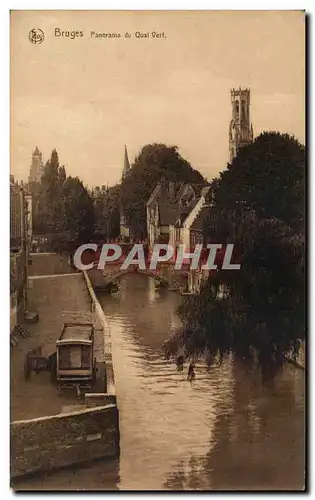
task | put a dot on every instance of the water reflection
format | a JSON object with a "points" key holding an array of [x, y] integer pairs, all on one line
{"points": [[257, 442], [94, 476], [152, 294], [223, 432]]}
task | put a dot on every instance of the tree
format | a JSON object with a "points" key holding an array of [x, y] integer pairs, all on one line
{"points": [[155, 161], [50, 195], [259, 207], [113, 210], [267, 175], [64, 208], [62, 175], [75, 225], [107, 214]]}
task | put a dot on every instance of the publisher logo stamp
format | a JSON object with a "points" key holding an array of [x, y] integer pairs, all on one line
{"points": [[36, 36]]}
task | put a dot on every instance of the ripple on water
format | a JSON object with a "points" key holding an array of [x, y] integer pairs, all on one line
{"points": [[224, 431]]}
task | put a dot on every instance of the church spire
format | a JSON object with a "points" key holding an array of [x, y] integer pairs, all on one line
{"points": [[126, 168]]}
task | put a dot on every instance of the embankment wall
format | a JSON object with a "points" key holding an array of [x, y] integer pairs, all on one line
{"points": [[53, 442], [97, 308], [48, 443]]}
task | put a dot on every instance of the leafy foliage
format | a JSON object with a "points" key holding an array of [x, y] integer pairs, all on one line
{"points": [[259, 206], [63, 208], [154, 162], [267, 175], [49, 197], [75, 224], [107, 213]]}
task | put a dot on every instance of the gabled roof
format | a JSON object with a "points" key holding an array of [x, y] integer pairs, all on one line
{"points": [[168, 214], [198, 223], [205, 190], [169, 206], [180, 190], [154, 194], [187, 210], [76, 330], [197, 189]]}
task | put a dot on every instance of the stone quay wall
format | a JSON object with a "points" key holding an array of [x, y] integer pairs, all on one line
{"points": [[97, 308], [86, 433], [48, 443]]}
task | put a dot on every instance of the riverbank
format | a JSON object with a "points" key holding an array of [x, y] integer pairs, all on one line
{"points": [[49, 429], [224, 431], [49, 297]]}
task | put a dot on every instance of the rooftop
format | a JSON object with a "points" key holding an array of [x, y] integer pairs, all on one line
{"points": [[168, 214], [201, 218], [77, 331]]}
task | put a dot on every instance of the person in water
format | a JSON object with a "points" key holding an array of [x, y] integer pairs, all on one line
{"points": [[180, 363], [191, 373]]}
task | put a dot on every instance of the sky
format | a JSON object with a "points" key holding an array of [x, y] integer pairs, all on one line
{"points": [[88, 97]]}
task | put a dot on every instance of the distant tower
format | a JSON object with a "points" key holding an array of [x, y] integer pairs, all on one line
{"points": [[126, 168], [37, 167], [241, 129]]}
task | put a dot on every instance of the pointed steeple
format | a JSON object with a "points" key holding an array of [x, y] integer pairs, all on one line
{"points": [[126, 164]]}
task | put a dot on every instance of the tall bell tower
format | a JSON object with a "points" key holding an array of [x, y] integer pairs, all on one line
{"points": [[37, 167], [241, 129]]}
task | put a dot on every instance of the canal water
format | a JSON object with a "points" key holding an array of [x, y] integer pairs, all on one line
{"points": [[223, 432]]}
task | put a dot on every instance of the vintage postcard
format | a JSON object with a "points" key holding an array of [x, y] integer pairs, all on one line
{"points": [[157, 250]]}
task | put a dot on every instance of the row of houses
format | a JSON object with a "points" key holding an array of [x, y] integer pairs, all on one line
{"points": [[20, 237], [176, 213]]}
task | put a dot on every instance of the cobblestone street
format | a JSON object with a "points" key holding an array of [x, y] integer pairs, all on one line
{"points": [[49, 297]]}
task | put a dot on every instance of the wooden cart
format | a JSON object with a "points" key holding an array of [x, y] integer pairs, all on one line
{"points": [[76, 364]]}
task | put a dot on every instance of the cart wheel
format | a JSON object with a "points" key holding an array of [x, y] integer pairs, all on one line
{"points": [[27, 369], [52, 367], [94, 371]]}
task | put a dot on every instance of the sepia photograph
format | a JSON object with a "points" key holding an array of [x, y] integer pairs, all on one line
{"points": [[158, 250]]}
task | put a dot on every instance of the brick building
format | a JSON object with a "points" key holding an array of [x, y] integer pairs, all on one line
{"points": [[19, 243]]}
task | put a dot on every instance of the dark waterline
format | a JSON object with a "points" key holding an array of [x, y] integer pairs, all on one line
{"points": [[225, 431]]}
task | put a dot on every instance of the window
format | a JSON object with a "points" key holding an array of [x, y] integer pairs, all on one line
{"points": [[64, 357], [86, 356], [237, 108], [74, 357], [243, 109], [192, 239]]}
